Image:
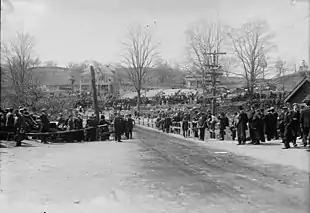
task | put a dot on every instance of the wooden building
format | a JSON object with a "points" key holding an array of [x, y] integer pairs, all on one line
{"points": [[300, 92]]}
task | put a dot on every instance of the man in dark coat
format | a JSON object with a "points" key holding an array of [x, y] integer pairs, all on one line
{"points": [[202, 127], [167, 124], [118, 127], [305, 124], [253, 124], [224, 122], [273, 120], [288, 131], [269, 125], [295, 122], [104, 129], [242, 126], [185, 126], [45, 125], [78, 125], [131, 124], [9, 123]]}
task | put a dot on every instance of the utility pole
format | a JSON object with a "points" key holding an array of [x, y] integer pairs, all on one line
{"points": [[214, 73], [93, 81], [72, 80]]}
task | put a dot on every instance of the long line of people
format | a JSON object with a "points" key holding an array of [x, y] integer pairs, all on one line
{"points": [[256, 125]]}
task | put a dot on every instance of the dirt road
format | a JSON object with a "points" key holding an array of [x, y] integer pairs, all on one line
{"points": [[152, 173]]}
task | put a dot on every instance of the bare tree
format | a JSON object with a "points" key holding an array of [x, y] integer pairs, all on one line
{"points": [[203, 37], [140, 54], [228, 63], [280, 65], [251, 43], [18, 58]]}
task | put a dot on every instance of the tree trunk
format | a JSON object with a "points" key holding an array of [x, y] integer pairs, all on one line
{"points": [[138, 100]]}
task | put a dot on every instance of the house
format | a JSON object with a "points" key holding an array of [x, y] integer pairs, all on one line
{"points": [[105, 79], [193, 81], [300, 92]]}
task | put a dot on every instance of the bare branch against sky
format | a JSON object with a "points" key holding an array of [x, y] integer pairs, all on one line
{"points": [[140, 54]]}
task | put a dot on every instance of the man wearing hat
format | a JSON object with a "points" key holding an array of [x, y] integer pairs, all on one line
{"points": [[274, 120], [305, 124], [242, 126], [295, 122], [287, 124], [118, 127]]}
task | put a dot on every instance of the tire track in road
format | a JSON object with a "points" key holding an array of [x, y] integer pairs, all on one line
{"points": [[236, 178]]}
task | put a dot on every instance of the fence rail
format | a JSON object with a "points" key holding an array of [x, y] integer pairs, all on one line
{"points": [[176, 128]]}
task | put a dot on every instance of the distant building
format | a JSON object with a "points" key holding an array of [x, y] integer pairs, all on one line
{"points": [[106, 81], [193, 81]]}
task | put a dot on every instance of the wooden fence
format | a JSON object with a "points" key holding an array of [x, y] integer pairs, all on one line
{"points": [[176, 128]]}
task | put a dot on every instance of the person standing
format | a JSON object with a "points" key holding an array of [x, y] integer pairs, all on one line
{"points": [[167, 123], [295, 123], [20, 128], [185, 126], [70, 127], [269, 125], [202, 127], [242, 126], [45, 125], [78, 125], [305, 124], [118, 127], [9, 123], [130, 125], [273, 124], [224, 122], [288, 131]]}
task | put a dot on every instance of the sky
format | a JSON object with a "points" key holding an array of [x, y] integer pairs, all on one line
{"points": [[77, 30]]}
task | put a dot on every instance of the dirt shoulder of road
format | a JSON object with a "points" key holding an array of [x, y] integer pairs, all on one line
{"points": [[269, 152]]}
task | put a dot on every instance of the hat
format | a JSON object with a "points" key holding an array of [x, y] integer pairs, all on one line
{"points": [[43, 110], [284, 107], [271, 108]]}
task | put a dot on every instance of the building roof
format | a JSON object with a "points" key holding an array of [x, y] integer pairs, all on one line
{"points": [[297, 87], [103, 70]]}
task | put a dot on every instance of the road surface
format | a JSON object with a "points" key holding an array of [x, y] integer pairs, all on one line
{"points": [[152, 173]]}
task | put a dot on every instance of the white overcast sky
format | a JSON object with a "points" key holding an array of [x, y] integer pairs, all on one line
{"points": [[77, 30]]}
